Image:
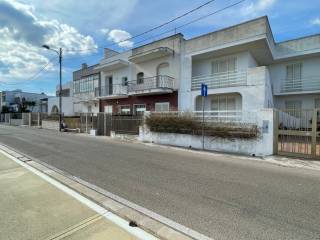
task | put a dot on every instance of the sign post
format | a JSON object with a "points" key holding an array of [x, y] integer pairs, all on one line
{"points": [[204, 93]]}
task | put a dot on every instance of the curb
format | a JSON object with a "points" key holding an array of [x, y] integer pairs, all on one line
{"points": [[164, 229]]}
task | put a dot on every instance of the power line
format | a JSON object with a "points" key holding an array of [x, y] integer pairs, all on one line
{"points": [[179, 27], [147, 31], [32, 77]]}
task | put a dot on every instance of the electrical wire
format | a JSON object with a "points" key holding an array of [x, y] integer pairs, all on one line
{"points": [[147, 31]]}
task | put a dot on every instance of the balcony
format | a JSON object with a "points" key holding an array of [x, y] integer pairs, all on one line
{"points": [[151, 85], [220, 80], [295, 86], [113, 65], [138, 57], [112, 91]]}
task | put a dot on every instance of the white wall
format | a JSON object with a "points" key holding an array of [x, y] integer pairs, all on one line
{"points": [[310, 67], [261, 146], [203, 66], [308, 100], [67, 105]]}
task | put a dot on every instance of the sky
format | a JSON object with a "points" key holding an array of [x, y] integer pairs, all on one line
{"points": [[83, 28]]}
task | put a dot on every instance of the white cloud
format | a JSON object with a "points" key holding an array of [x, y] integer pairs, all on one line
{"points": [[21, 35], [104, 31], [257, 7], [119, 36], [315, 21]]}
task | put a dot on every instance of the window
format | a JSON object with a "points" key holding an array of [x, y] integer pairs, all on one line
{"points": [[139, 109], [85, 84], [293, 77], [225, 65], [140, 77], [223, 103], [162, 107], [124, 109], [317, 103], [293, 104], [293, 107], [124, 81]]}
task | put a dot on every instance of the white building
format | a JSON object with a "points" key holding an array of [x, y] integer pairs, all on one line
{"points": [[245, 70], [85, 89], [13, 100], [68, 100]]}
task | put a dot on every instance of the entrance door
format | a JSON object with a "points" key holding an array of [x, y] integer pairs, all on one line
{"points": [[109, 85]]}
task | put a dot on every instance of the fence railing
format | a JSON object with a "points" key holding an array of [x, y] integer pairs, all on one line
{"points": [[249, 117], [311, 83], [114, 89], [220, 80], [156, 82]]}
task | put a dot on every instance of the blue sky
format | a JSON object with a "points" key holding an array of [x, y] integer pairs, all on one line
{"points": [[71, 24]]}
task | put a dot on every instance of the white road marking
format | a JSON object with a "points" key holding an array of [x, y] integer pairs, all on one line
{"points": [[137, 232]]}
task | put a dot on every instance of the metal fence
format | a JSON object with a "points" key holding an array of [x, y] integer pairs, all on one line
{"points": [[104, 123], [298, 133]]}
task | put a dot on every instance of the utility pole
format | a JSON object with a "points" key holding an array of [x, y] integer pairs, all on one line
{"points": [[60, 89], [60, 81]]}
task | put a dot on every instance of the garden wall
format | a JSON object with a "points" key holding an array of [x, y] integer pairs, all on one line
{"points": [[260, 146]]}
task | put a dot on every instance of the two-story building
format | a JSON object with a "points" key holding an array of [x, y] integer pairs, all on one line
{"points": [[145, 78], [246, 70], [86, 88], [243, 66]]}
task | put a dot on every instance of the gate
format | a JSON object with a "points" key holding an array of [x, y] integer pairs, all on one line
{"points": [[297, 133], [128, 124]]}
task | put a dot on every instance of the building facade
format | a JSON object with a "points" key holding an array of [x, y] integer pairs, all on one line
{"points": [[15, 99], [67, 100], [142, 79], [246, 70], [86, 82], [243, 66]]}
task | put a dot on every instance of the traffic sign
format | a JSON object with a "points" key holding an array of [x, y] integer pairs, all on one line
{"points": [[204, 90]]}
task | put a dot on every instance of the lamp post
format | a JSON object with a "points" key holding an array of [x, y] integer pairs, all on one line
{"points": [[60, 82]]}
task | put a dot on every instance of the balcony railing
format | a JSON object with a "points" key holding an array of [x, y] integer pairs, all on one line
{"points": [[113, 90], [306, 84], [156, 82], [220, 80]]}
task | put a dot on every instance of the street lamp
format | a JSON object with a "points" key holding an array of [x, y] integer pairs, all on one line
{"points": [[60, 83]]}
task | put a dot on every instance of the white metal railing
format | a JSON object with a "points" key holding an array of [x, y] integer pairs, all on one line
{"points": [[114, 89], [220, 80], [245, 117], [156, 82], [311, 83]]}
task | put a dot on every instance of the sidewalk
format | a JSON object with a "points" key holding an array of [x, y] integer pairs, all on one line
{"points": [[31, 208]]}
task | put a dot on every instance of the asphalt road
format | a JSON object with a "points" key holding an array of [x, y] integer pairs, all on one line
{"points": [[223, 197]]}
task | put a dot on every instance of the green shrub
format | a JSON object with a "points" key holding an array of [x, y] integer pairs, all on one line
{"points": [[187, 124]]}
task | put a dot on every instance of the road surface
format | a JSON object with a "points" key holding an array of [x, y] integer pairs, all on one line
{"points": [[221, 196]]}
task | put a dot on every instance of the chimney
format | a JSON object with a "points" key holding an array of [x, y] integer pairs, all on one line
{"points": [[109, 53], [84, 65]]}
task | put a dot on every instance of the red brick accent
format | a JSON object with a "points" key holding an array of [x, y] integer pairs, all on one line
{"points": [[149, 100]]}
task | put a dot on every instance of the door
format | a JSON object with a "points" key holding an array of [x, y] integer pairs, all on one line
{"points": [[110, 84], [108, 109]]}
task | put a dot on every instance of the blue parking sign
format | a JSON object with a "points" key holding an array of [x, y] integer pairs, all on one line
{"points": [[204, 90]]}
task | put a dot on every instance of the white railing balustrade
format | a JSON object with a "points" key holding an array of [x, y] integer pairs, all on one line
{"points": [[156, 82], [243, 117], [220, 80], [311, 83], [113, 90]]}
